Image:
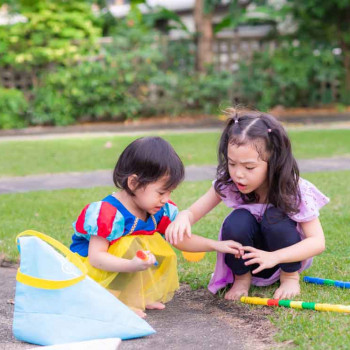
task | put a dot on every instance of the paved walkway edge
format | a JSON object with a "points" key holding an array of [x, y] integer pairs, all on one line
{"points": [[82, 180], [104, 177]]}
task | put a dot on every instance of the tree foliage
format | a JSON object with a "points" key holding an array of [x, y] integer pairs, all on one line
{"points": [[56, 31], [322, 29]]}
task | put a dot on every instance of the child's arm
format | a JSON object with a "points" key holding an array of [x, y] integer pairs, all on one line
{"points": [[101, 259], [201, 244], [186, 218], [313, 244]]}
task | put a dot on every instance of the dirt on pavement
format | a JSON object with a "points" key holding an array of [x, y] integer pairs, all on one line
{"points": [[192, 320]]}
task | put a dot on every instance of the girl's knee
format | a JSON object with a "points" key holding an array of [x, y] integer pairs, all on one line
{"points": [[278, 227], [238, 224]]}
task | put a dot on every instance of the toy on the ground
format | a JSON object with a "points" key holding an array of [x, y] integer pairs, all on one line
{"points": [[296, 304], [327, 282], [54, 298], [143, 256], [193, 256]]}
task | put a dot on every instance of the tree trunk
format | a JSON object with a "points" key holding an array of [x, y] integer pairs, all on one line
{"points": [[347, 75], [204, 30], [346, 63]]}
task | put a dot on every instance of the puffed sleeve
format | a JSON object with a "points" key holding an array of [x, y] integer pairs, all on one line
{"points": [[312, 200], [170, 212], [231, 196], [100, 219]]}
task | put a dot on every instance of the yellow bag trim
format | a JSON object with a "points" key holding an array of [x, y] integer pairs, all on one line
{"points": [[51, 284]]}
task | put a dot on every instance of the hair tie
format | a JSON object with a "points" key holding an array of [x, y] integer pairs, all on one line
{"points": [[236, 121], [269, 130]]}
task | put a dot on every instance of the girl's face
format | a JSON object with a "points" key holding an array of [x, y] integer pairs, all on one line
{"points": [[247, 170], [151, 198]]}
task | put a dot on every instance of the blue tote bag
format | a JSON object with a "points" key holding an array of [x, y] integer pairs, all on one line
{"points": [[57, 303]]}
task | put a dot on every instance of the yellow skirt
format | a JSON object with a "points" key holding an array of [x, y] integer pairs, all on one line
{"points": [[138, 289]]}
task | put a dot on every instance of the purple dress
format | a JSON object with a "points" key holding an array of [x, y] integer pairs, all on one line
{"points": [[311, 201]]}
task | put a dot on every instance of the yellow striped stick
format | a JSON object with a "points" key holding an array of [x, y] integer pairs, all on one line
{"points": [[296, 304]]}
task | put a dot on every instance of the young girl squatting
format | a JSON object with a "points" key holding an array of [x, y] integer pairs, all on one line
{"points": [[275, 215], [108, 233]]}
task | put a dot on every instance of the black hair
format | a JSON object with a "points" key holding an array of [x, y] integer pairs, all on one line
{"points": [[149, 158], [244, 127]]}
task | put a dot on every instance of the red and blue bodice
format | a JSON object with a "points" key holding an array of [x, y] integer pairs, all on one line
{"points": [[111, 220]]}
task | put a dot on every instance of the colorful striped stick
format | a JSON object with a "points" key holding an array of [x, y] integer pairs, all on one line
{"points": [[326, 282], [296, 304]]}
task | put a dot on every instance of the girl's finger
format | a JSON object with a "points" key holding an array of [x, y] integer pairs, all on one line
{"points": [[249, 249], [260, 268], [233, 251], [234, 245], [181, 235], [252, 262], [249, 256], [188, 231], [152, 259], [167, 233], [176, 234], [171, 233]]}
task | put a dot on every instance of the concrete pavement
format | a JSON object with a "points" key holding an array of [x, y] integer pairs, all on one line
{"points": [[104, 177]]}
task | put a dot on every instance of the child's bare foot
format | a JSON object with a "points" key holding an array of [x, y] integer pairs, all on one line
{"points": [[156, 305], [240, 287], [289, 286], [139, 312]]}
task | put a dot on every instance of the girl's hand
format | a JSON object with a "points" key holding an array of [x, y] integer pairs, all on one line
{"points": [[229, 247], [264, 259], [141, 265], [180, 226]]}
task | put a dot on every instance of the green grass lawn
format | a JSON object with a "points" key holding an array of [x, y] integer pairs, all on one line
{"points": [[19, 158], [53, 212]]}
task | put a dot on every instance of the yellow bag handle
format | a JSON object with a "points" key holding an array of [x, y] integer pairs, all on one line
{"points": [[51, 284]]}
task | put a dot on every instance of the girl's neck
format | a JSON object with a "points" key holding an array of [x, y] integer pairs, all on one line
{"points": [[129, 203], [262, 194]]}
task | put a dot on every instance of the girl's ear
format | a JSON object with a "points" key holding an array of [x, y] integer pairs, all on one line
{"points": [[132, 182]]}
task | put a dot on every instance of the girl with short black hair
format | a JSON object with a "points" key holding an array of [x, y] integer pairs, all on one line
{"points": [[109, 234]]}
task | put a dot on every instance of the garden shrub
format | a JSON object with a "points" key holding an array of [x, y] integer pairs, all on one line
{"points": [[13, 109], [55, 32], [113, 87], [193, 92], [290, 76], [50, 107]]}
